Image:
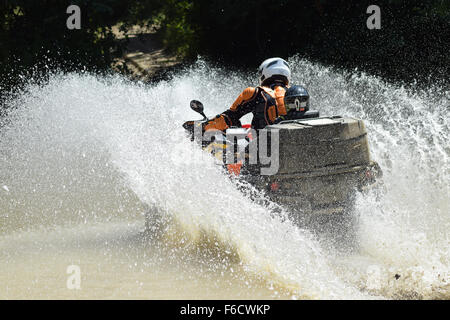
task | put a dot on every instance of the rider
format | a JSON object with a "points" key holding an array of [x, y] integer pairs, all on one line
{"points": [[265, 101]]}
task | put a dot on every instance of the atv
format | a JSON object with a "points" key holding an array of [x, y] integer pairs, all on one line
{"points": [[322, 162]]}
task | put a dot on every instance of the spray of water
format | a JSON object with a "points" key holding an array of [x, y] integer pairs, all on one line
{"points": [[84, 149]]}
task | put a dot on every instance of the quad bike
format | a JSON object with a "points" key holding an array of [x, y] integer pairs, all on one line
{"points": [[322, 163]]}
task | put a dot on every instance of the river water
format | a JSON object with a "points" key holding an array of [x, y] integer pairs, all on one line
{"points": [[83, 157]]}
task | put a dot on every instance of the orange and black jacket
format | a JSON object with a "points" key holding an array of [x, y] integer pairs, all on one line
{"points": [[266, 104]]}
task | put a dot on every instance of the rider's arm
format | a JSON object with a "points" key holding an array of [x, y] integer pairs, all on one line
{"points": [[243, 105]]}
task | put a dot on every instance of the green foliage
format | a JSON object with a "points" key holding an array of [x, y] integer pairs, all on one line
{"points": [[176, 30], [34, 37], [413, 41]]}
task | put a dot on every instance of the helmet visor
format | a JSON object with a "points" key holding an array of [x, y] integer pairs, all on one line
{"points": [[297, 104]]}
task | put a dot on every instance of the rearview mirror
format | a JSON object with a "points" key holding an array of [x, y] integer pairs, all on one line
{"points": [[197, 106]]}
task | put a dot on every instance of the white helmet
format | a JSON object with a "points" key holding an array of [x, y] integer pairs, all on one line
{"points": [[274, 67]]}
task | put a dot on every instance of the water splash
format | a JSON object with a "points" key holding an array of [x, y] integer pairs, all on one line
{"points": [[83, 148]]}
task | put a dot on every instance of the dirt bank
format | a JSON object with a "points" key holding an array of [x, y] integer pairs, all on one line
{"points": [[145, 57]]}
